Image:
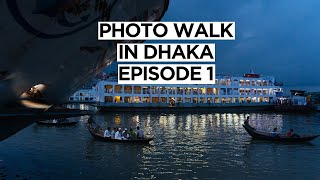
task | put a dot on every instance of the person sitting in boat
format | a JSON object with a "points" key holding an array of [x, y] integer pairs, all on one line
{"points": [[113, 133], [132, 134], [120, 131], [118, 134], [140, 133], [107, 133], [275, 133], [125, 134], [291, 134]]}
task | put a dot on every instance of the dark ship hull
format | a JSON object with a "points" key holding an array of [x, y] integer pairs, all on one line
{"points": [[53, 44]]}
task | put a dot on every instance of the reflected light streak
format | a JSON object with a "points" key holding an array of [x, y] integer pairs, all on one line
{"points": [[163, 121], [188, 122], [172, 121], [203, 121], [117, 120], [136, 119]]}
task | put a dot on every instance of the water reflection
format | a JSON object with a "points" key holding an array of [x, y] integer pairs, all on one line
{"points": [[185, 146]]}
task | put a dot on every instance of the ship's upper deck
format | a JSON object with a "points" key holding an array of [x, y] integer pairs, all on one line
{"points": [[222, 80]]}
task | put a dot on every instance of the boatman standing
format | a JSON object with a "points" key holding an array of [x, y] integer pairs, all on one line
{"points": [[246, 123]]}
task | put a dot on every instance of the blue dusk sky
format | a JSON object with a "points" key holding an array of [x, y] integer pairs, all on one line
{"points": [[273, 37]]}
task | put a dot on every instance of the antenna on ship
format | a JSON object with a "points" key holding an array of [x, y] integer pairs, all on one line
{"points": [[251, 71]]}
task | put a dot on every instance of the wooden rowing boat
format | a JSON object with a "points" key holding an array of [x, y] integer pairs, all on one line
{"points": [[282, 138], [97, 133]]}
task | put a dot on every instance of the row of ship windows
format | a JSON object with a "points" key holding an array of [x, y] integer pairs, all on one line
{"points": [[84, 94], [189, 91], [228, 82], [137, 99]]}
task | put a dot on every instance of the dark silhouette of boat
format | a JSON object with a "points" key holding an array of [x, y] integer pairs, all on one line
{"points": [[97, 133], [282, 138], [57, 122]]}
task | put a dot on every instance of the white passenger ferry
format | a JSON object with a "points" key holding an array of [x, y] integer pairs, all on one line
{"points": [[252, 91]]}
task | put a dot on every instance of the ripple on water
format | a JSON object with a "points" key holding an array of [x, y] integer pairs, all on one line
{"points": [[185, 146]]}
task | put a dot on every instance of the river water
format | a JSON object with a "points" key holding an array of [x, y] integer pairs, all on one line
{"points": [[210, 145]]}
